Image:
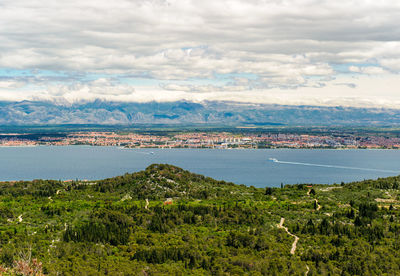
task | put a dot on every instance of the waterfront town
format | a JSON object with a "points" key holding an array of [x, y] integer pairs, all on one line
{"points": [[218, 140]]}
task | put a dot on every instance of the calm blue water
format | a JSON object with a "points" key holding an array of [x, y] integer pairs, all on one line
{"points": [[250, 167]]}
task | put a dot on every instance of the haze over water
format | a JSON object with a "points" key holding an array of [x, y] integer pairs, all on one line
{"points": [[249, 167]]}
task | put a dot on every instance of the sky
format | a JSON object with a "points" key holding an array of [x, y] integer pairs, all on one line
{"points": [[293, 52]]}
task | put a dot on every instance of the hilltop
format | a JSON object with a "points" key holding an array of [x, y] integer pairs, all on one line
{"points": [[165, 220], [160, 181]]}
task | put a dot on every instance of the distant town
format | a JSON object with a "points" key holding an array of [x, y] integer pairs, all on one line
{"points": [[218, 140]]}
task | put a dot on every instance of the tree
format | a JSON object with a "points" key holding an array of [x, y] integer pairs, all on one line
{"points": [[268, 191]]}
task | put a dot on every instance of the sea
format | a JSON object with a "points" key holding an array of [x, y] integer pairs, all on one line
{"points": [[252, 167]]}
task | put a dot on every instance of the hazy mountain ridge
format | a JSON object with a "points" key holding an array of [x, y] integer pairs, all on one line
{"points": [[181, 112]]}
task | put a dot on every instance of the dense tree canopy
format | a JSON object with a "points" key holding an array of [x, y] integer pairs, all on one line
{"points": [[168, 220]]}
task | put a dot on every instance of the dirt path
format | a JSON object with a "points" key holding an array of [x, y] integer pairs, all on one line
{"points": [[318, 206], [316, 200], [147, 204], [20, 218], [296, 239], [308, 270]]}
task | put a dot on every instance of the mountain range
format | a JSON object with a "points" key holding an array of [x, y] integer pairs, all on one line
{"points": [[184, 112]]}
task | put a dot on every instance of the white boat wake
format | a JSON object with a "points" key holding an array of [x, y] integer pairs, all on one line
{"points": [[331, 166]]}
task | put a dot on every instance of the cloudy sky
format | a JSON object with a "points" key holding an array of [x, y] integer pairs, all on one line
{"points": [[313, 52]]}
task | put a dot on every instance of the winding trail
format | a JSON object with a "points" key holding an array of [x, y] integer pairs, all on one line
{"points": [[316, 200], [147, 204], [318, 205], [308, 270], [296, 239]]}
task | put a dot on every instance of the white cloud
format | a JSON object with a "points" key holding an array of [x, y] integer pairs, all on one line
{"points": [[360, 91], [282, 45], [11, 84], [369, 70]]}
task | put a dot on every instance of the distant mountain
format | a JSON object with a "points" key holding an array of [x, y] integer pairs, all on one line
{"points": [[181, 112]]}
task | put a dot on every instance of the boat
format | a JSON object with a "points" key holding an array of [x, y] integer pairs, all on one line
{"points": [[273, 159]]}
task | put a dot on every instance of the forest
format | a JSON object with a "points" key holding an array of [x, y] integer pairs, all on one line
{"points": [[165, 220]]}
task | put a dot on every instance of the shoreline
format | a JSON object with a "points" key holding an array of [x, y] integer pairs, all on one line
{"points": [[200, 148], [22, 146], [97, 179]]}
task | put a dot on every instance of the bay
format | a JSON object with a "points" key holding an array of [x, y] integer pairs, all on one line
{"points": [[260, 168]]}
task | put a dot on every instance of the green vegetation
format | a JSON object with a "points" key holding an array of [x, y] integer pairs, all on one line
{"points": [[166, 220], [34, 131]]}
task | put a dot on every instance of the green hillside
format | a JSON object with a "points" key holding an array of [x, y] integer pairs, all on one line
{"points": [[165, 220]]}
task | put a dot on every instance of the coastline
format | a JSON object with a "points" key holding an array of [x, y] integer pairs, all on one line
{"points": [[209, 148]]}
